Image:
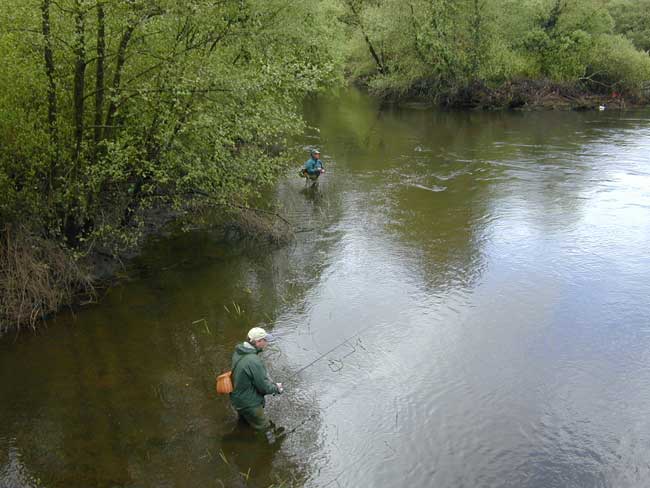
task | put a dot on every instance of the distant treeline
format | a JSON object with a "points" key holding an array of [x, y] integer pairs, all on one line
{"points": [[114, 111], [440, 48]]}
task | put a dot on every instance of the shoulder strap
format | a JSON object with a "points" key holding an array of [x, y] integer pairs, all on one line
{"points": [[232, 372], [237, 362]]}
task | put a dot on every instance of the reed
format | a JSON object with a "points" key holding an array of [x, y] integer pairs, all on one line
{"points": [[37, 277], [246, 475]]}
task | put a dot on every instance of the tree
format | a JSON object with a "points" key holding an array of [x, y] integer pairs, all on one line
{"points": [[443, 47], [632, 19], [112, 108], [188, 99]]}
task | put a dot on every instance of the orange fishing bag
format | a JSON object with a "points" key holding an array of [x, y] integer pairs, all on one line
{"points": [[224, 383]]}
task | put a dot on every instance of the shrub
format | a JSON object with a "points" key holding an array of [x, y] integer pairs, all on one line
{"points": [[37, 277], [618, 66]]}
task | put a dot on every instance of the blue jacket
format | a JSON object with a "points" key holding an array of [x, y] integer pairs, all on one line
{"points": [[313, 166]]}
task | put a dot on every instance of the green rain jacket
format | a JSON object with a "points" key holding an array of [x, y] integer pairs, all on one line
{"points": [[250, 378]]}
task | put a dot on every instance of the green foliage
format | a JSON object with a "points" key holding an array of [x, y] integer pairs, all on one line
{"points": [[431, 44], [561, 36], [438, 47], [632, 19], [616, 63], [153, 103]]}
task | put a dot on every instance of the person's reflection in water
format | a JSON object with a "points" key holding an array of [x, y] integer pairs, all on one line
{"points": [[312, 193]]}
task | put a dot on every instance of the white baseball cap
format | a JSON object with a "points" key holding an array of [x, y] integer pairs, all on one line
{"points": [[257, 333]]}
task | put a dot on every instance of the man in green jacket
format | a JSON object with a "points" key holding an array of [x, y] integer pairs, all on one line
{"points": [[251, 381]]}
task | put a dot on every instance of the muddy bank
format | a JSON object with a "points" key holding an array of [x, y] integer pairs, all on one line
{"points": [[516, 95], [40, 276], [537, 95]]}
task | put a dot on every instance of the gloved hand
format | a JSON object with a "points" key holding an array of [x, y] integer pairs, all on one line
{"points": [[280, 389]]}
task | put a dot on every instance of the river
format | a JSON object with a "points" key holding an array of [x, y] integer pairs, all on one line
{"points": [[485, 276]]}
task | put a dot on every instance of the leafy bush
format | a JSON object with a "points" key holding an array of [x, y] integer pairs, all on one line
{"points": [[444, 47], [618, 65], [632, 19]]}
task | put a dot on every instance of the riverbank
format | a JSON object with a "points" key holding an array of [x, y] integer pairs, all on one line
{"points": [[537, 95], [40, 276], [521, 94]]}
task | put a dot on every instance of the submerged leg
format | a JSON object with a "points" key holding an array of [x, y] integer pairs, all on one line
{"points": [[258, 420]]}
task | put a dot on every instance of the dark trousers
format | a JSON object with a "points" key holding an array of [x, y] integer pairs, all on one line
{"points": [[255, 417]]}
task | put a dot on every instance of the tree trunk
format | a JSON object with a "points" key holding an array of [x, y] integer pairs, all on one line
{"points": [[51, 91], [99, 79], [380, 66], [551, 21], [416, 41], [476, 51], [117, 79], [79, 79]]}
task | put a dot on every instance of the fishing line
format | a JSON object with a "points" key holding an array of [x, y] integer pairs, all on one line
{"points": [[328, 352], [314, 415]]}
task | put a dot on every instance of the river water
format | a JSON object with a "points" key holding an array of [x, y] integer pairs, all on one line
{"points": [[485, 276]]}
